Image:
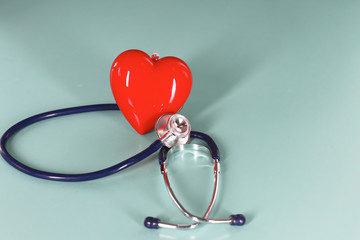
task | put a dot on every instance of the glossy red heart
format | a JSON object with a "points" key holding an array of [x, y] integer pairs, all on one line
{"points": [[146, 88]]}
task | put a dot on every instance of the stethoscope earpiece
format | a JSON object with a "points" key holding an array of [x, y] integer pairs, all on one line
{"points": [[151, 222], [235, 220]]}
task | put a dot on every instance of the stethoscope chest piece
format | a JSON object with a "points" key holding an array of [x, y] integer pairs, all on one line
{"points": [[173, 130]]}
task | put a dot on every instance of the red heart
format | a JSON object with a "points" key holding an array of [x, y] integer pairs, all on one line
{"points": [[146, 88]]}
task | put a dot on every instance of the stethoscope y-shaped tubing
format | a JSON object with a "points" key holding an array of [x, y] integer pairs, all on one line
{"points": [[197, 220], [237, 220]]}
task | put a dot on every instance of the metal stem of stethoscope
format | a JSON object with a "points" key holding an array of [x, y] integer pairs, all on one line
{"points": [[182, 209], [151, 222]]}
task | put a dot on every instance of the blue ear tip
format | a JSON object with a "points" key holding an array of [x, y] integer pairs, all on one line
{"points": [[238, 220], [151, 222]]}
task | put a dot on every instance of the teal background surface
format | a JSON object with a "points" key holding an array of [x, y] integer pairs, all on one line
{"points": [[275, 83]]}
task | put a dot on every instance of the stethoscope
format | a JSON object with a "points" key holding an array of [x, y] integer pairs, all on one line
{"points": [[173, 131]]}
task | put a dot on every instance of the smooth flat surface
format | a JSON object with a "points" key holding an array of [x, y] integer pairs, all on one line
{"points": [[276, 84]]}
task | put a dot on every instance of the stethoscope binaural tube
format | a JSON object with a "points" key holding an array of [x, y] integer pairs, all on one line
{"points": [[154, 223]]}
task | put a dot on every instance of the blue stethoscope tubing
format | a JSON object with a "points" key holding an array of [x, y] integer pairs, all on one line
{"points": [[149, 222], [155, 146]]}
